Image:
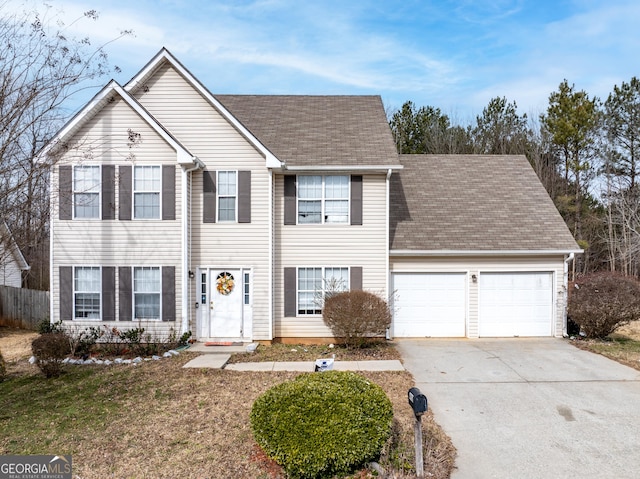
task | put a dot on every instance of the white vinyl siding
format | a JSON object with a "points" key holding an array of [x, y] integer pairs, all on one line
{"points": [[86, 192], [92, 242], [147, 184], [227, 244], [227, 201], [477, 265], [10, 272], [337, 245], [86, 292]]}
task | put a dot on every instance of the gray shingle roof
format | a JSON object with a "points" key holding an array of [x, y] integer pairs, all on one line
{"points": [[317, 130], [473, 203]]}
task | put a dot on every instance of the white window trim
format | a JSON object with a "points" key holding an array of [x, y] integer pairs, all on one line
{"points": [[323, 200], [73, 281], [133, 294], [133, 194], [323, 268], [218, 196], [74, 192]]}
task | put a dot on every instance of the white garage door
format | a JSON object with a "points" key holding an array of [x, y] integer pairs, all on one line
{"points": [[429, 304], [516, 304]]}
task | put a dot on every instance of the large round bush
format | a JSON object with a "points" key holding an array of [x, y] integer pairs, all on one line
{"points": [[322, 424], [601, 302]]}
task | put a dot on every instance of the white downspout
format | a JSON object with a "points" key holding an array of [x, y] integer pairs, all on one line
{"points": [[565, 281], [387, 246], [271, 253], [186, 238]]}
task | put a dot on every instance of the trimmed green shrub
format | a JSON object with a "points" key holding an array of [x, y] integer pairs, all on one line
{"points": [[50, 349], [3, 368], [356, 316], [601, 302], [322, 424]]}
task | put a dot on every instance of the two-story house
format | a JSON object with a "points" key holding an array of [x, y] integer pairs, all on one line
{"points": [[227, 215]]}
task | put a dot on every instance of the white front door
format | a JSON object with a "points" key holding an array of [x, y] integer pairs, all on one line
{"points": [[221, 308]]}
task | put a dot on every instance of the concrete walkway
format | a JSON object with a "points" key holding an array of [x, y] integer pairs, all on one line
{"points": [[530, 408], [216, 357]]}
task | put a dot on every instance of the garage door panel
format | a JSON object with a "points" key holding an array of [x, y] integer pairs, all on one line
{"points": [[429, 304], [516, 304]]}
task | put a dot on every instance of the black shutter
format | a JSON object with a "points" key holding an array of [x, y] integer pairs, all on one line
{"points": [[125, 191], [356, 199], [66, 293], [108, 293], [244, 197], [125, 295], [65, 193], [290, 292], [290, 200], [169, 192], [108, 192], [355, 278], [209, 196], [168, 293]]}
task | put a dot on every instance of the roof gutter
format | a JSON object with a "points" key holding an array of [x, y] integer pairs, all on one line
{"points": [[407, 252], [372, 168]]}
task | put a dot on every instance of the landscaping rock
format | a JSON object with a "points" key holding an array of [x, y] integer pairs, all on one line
{"points": [[251, 348], [173, 352], [137, 360], [32, 360], [118, 360], [166, 355], [155, 357]]}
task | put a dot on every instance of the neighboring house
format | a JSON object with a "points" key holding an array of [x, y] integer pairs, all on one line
{"points": [[12, 262], [225, 215]]}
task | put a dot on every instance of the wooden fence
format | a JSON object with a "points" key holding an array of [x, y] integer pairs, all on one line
{"points": [[23, 308]]}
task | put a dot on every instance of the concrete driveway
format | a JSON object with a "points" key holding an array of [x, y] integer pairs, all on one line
{"points": [[530, 408]]}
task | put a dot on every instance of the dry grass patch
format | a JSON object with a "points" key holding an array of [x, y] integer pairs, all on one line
{"points": [[310, 352], [158, 420], [622, 346], [15, 344]]}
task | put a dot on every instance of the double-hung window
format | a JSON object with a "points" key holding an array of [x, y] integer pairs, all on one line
{"points": [[227, 195], [146, 293], [86, 191], [323, 199], [146, 192], [315, 283], [86, 292]]}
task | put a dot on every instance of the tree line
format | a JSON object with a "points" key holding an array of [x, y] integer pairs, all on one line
{"points": [[584, 150]]}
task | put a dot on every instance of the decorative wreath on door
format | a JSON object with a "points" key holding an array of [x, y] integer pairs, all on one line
{"points": [[225, 283]]}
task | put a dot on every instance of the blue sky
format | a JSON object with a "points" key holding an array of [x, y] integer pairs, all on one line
{"points": [[455, 55]]}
